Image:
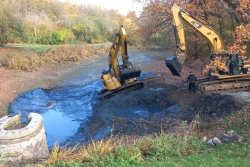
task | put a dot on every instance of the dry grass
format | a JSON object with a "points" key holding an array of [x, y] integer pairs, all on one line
{"points": [[86, 153], [134, 147], [65, 54], [24, 62], [62, 55]]}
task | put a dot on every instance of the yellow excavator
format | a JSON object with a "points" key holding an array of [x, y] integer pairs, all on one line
{"points": [[234, 78], [119, 78]]}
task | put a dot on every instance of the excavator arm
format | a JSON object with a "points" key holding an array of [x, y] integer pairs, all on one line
{"points": [[119, 43], [174, 63], [234, 75]]}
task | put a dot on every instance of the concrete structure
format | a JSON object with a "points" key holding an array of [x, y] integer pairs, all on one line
{"points": [[24, 143]]}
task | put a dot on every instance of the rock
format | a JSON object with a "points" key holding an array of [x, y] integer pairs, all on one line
{"points": [[231, 133], [214, 115], [213, 142], [216, 141], [210, 142], [231, 136], [204, 139]]}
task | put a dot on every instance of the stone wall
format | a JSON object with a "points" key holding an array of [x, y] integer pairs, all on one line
{"points": [[24, 143]]}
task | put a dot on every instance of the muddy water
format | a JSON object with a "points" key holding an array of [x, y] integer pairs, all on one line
{"points": [[63, 109], [68, 107]]}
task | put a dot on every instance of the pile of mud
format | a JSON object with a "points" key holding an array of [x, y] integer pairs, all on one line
{"points": [[208, 106], [214, 106]]}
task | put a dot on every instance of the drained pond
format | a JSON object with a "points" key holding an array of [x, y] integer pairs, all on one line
{"points": [[73, 111]]}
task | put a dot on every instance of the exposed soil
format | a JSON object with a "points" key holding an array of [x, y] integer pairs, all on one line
{"points": [[160, 105]]}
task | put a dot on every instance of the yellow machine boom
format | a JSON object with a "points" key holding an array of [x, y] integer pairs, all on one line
{"points": [[235, 78]]}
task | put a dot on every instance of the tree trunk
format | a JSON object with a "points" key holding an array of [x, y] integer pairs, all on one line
{"points": [[34, 34]]}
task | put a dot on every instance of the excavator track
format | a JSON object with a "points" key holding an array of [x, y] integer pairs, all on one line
{"points": [[123, 89], [225, 85]]}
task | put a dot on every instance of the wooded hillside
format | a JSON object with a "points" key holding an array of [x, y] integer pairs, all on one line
{"points": [[55, 22]]}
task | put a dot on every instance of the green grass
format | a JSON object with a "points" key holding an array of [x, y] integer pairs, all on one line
{"points": [[124, 151], [37, 84], [3, 109], [231, 155], [38, 48]]}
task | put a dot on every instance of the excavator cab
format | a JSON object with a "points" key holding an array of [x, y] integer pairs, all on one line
{"points": [[233, 61], [236, 64]]}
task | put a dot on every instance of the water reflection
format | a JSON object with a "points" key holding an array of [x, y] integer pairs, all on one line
{"points": [[58, 126]]}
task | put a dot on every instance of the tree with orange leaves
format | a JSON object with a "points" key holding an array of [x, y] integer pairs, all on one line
{"points": [[242, 32]]}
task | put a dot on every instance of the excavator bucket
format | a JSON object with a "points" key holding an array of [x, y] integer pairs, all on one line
{"points": [[128, 73], [174, 65]]}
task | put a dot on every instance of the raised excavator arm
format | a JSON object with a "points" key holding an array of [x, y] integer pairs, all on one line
{"points": [[119, 78], [119, 43], [179, 16], [234, 75]]}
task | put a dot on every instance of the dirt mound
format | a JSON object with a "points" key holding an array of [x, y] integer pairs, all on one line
{"points": [[183, 97], [214, 106], [209, 106]]}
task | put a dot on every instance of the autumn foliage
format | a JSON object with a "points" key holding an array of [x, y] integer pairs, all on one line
{"points": [[242, 38], [218, 64], [242, 32], [228, 18]]}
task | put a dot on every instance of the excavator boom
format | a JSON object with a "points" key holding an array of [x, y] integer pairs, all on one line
{"points": [[174, 63], [179, 15], [233, 77]]}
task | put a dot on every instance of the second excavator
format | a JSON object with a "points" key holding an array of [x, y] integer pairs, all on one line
{"points": [[119, 78], [232, 75]]}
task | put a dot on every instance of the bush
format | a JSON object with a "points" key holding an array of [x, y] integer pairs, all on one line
{"points": [[23, 62], [43, 39], [57, 37]]}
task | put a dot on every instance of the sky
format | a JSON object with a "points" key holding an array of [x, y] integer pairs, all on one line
{"points": [[122, 6]]}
